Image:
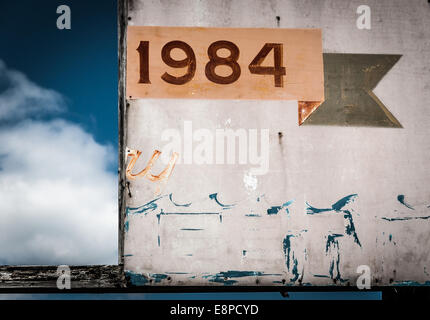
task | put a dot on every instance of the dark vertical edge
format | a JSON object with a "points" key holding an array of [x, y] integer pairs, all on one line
{"points": [[122, 125]]}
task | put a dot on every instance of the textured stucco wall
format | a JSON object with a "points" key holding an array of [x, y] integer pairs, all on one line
{"points": [[309, 165]]}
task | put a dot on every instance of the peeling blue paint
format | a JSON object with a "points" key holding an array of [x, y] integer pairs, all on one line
{"points": [[147, 207], [252, 215], [331, 270], [224, 281], [158, 240], [177, 272], [286, 204], [350, 227], [401, 199], [286, 245], [176, 204], [276, 209], [225, 276], [332, 242], [158, 277], [306, 284], [313, 210], [343, 202], [290, 256], [338, 208], [152, 205], [235, 274], [136, 279], [406, 218], [273, 210], [214, 196], [295, 270], [162, 213]]}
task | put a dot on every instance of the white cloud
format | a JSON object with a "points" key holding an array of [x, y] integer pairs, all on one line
{"points": [[58, 198], [20, 98]]}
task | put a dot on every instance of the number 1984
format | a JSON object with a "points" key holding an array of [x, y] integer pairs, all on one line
{"points": [[189, 62]]}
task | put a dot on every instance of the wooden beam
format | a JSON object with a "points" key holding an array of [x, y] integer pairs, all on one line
{"points": [[44, 278], [122, 109], [111, 279]]}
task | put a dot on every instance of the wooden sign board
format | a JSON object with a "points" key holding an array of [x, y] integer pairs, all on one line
{"points": [[221, 63]]}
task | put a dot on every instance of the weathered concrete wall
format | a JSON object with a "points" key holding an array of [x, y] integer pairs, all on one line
{"points": [[370, 184]]}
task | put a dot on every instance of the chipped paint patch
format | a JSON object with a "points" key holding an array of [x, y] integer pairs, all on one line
{"points": [[214, 196], [406, 218], [225, 276], [294, 251], [276, 209], [136, 279], [273, 210], [145, 209], [250, 181], [338, 207], [401, 199], [178, 205]]}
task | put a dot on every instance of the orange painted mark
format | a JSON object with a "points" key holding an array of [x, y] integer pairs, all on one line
{"points": [[163, 175]]}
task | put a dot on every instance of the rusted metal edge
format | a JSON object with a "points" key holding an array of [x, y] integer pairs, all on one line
{"points": [[122, 130]]}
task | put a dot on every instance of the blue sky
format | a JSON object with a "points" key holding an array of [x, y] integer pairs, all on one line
{"points": [[80, 63], [58, 133], [58, 138]]}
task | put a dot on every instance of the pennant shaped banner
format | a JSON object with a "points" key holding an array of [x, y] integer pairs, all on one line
{"points": [[350, 101], [224, 63]]}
